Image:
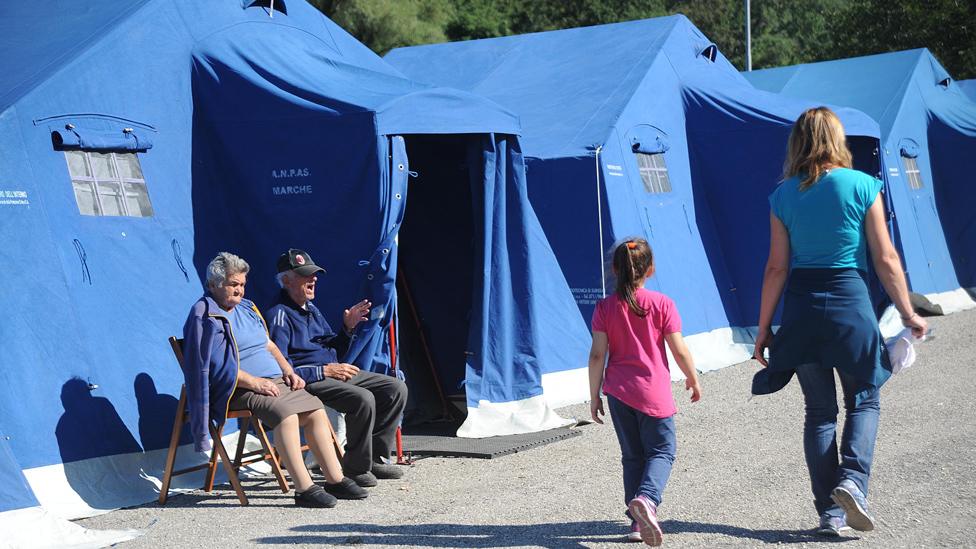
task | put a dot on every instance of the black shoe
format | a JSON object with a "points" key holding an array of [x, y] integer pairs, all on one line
{"points": [[364, 480], [315, 496], [387, 471], [346, 489]]}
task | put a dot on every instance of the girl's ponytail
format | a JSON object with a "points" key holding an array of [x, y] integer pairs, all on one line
{"points": [[631, 260]]}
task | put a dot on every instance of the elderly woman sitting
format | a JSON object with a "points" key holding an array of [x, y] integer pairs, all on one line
{"points": [[230, 364]]}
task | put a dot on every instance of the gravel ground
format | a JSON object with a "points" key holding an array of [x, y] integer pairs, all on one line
{"points": [[739, 480]]}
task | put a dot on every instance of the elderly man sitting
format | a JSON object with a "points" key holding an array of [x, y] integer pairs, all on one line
{"points": [[372, 402], [230, 364]]}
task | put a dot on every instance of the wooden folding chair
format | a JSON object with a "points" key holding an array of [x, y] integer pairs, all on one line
{"points": [[266, 453]]}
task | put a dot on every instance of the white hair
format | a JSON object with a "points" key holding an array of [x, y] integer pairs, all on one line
{"points": [[223, 266], [280, 277]]}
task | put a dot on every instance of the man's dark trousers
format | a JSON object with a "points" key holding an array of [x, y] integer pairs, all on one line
{"points": [[373, 404]]}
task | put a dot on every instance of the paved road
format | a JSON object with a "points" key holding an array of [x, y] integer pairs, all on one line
{"points": [[739, 480]]}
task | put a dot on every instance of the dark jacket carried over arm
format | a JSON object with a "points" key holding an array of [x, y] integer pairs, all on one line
{"points": [[210, 366]]}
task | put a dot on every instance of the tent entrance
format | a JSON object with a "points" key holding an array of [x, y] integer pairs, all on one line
{"points": [[435, 277]]}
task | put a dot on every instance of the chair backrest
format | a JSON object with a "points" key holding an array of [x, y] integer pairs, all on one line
{"points": [[177, 344]]}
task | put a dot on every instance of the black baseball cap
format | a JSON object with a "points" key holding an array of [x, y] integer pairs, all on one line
{"points": [[298, 261]]}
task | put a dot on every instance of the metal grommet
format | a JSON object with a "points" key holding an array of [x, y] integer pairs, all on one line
{"points": [[400, 167], [397, 195], [369, 277], [386, 250]]}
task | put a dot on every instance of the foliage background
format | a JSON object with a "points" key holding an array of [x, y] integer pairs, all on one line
{"points": [[784, 32]]}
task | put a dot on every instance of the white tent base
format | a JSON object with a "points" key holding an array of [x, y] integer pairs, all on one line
{"points": [[945, 303], [97, 486], [511, 418], [35, 527]]}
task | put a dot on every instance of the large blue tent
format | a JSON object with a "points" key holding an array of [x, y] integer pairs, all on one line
{"points": [[928, 128], [642, 128], [968, 87], [144, 136]]}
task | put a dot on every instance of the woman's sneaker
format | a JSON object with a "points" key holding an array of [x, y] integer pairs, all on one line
{"points": [[346, 489], [850, 498], [634, 534], [644, 512], [831, 526], [315, 496]]}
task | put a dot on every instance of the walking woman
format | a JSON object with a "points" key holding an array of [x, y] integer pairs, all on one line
{"points": [[824, 218]]}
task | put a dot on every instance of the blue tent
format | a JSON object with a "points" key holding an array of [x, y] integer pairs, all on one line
{"points": [[642, 128], [928, 129], [968, 87], [146, 136]]}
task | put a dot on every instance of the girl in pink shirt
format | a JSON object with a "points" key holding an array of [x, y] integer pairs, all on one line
{"points": [[632, 326]]}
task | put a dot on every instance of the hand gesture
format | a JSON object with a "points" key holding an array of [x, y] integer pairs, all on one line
{"points": [[352, 316], [596, 410], [340, 371], [763, 341], [294, 381], [267, 387], [695, 388]]}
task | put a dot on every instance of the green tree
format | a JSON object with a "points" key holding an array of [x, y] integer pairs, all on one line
{"points": [[491, 18], [784, 32], [946, 27], [383, 24]]}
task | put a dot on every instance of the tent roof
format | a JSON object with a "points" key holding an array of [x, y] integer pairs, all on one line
{"points": [[293, 66], [68, 28], [875, 84], [300, 50], [570, 86], [590, 73]]}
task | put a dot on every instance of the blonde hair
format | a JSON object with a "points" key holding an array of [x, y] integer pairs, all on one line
{"points": [[816, 142]]}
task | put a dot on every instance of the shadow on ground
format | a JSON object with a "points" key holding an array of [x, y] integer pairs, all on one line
{"points": [[551, 536], [765, 536], [555, 536]]}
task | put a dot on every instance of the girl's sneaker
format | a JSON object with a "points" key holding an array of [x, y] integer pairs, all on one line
{"points": [[634, 534], [850, 498], [644, 512], [832, 526]]}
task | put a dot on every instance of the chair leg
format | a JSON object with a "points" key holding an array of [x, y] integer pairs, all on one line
{"points": [[340, 451], [215, 433], [272, 457], [228, 466], [174, 442], [241, 439]]}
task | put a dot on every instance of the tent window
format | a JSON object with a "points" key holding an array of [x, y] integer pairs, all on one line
{"points": [[710, 53], [653, 172], [108, 184], [912, 173]]}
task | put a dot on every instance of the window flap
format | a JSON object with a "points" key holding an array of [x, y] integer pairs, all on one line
{"points": [[72, 136], [908, 148], [648, 139]]}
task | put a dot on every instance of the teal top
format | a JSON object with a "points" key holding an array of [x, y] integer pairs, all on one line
{"points": [[826, 221]]}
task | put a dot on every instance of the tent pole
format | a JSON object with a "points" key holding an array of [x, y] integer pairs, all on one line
{"points": [[599, 217], [271, 11], [748, 37], [393, 365]]}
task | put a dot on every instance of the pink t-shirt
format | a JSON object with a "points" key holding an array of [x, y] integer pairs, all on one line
{"points": [[637, 371]]}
